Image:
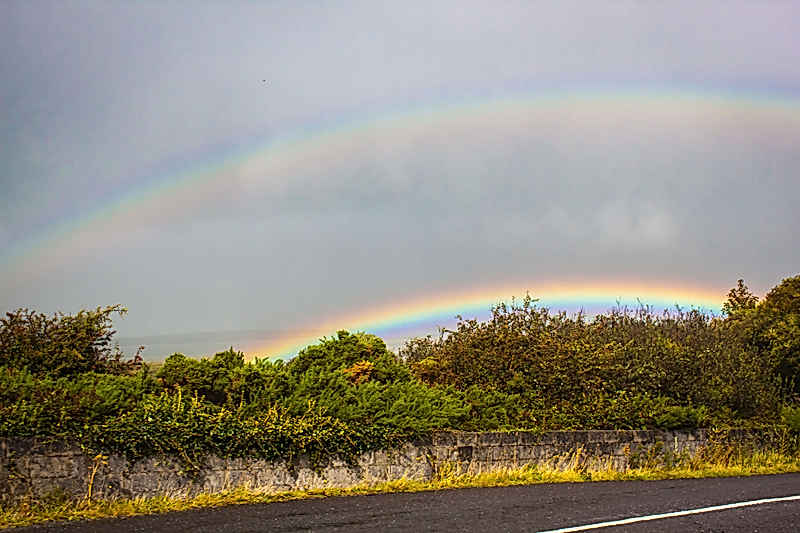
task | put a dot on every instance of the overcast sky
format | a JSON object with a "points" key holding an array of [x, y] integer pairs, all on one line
{"points": [[651, 141]]}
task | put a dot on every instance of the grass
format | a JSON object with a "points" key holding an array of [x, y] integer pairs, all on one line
{"points": [[724, 463]]}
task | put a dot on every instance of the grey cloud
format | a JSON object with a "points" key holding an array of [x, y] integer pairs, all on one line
{"points": [[105, 99]]}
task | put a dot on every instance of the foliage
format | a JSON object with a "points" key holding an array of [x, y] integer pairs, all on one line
{"points": [[32, 405], [189, 428], [62, 345], [137, 423], [359, 372], [740, 300], [386, 394], [211, 378], [621, 358], [779, 329], [771, 328], [227, 407], [524, 368]]}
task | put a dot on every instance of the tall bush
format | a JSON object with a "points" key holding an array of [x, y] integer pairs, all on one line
{"points": [[62, 344]]}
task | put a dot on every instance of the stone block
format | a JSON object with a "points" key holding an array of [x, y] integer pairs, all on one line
{"points": [[396, 472], [490, 438], [528, 438], [409, 454], [466, 438], [445, 438], [601, 435], [503, 454], [548, 438], [376, 473], [642, 436], [544, 453], [574, 437], [381, 457], [464, 453], [483, 453], [509, 438], [57, 467], [446, 453], [525, 453], [620, 436]]}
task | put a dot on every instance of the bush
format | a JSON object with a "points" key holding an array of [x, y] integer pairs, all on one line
{"points": [[524, 368], [680, 417], [171, 424], [62, 345], [689, 358], [790, 416], [210, 378]]}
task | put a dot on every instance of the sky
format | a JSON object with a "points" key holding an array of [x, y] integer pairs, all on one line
{"points": [[273, 170]]}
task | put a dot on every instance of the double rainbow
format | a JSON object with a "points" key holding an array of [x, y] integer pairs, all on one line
{"points": [[266, 166]]}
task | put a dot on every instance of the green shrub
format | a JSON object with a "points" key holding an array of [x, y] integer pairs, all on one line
{"points": [[681, 417], [689, 358], [189, 428], [210, 378], [62, 345], [790, 416], [524, 368], [35, 405]]}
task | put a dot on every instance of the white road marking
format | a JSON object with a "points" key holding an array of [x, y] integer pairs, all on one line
{"points": [[646, 518]]}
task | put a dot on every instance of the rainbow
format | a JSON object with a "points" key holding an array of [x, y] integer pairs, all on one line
{"points": [[476, 303], [266, 166]]}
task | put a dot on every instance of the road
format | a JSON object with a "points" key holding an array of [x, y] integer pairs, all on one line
{"points": [[525, 508]]}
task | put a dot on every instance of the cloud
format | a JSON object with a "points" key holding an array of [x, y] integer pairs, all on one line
{"points": [[114, 99], [644, 226]]}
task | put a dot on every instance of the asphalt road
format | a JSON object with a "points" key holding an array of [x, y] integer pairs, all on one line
{"points": [[527, 508]]}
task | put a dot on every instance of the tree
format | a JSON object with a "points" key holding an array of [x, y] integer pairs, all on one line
{"points": [[771, 327], [63, 344], [740, 300], [779, 315]]}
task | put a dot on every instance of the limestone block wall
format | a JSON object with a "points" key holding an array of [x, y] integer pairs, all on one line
{"points": [[30, 467]]}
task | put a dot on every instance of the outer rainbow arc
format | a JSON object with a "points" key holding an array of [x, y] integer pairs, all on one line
{"points": [[333, 143], [444, 306]]}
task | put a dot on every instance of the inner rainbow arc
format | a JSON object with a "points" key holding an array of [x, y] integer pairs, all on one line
{"points": [[596, 297]]}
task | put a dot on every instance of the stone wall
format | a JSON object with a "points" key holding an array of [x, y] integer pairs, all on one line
{"points": [[30, 467]]}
